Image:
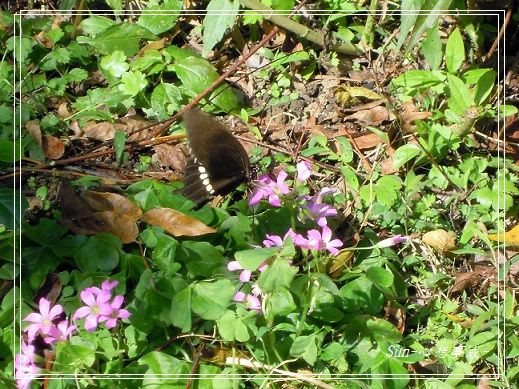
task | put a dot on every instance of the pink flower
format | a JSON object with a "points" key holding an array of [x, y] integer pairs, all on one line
{"points": [[277, 241], [392, 241], [318, 241], [25, 367], [42, 322], [117, 313], [270, 189], [245, 274], [318, 210], [97, 306], [304, 170], [109, 285], [251, 300], [60, 333]]}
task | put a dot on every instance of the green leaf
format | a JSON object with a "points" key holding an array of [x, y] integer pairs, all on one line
{"points": [[419, 78], [380, 276], [8, 150], [232, 328], [221, 15], [362, 295], [125, 37], [119, 142], [277, 276], [115, 64], [76, 75], [426, 20], [305, 347], [384, 332], [460, 96], [95, 24], [280, 303], [251, 259], [159, 22], [162, 364], [404, 154], [484, 86], [432, 48], [181, 310], [508, 110], [71, 357], [100, 252], [9, 216], [197, 75], [133, 83], [211, 299], [454, 51]]}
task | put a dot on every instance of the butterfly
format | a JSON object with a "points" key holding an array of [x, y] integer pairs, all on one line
{"points": [[217, 164]]}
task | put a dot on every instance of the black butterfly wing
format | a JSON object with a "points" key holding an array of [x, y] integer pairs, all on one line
{"points": [[218, 162]]}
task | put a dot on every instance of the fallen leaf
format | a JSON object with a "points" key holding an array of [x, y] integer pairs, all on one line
{"points": [[120, 225], [349, 96], [169, 156], [339, 263], [511, 236], [53, 147], [33, 126], [176, 223], [373, 116], [464, 281], [100, 131], [63, 111], [76, 215], [112, 202], [440, 240]]}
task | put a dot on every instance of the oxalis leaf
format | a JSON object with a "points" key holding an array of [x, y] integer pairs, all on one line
{"points": [[197, 74], [220, 16]]}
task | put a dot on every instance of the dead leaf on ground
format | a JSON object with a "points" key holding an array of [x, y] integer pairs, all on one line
{"points": [[107, 201], [119, 224], [440, 240], [33, 127], [410, 114], [63, 111], [373, 116], [76, 215], [467, 280], [176, 223], [169, 156], [53, 147], [349, 96], [340, 262], [105, 130]]}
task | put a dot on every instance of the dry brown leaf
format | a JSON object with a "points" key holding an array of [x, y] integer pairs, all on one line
{"points": [[511, 236], [373, 116], [368, 141], [410, 114], [53, 147], [349, 96], [169, 156], [33, 126], [440, 240], [106, 131], [63, 111], [75, 214], [176, 223], [100, 131], [107, 201], [118, 224], [339, 263]]}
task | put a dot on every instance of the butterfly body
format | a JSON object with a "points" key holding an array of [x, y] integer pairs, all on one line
{"points": [[218, 163]]}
